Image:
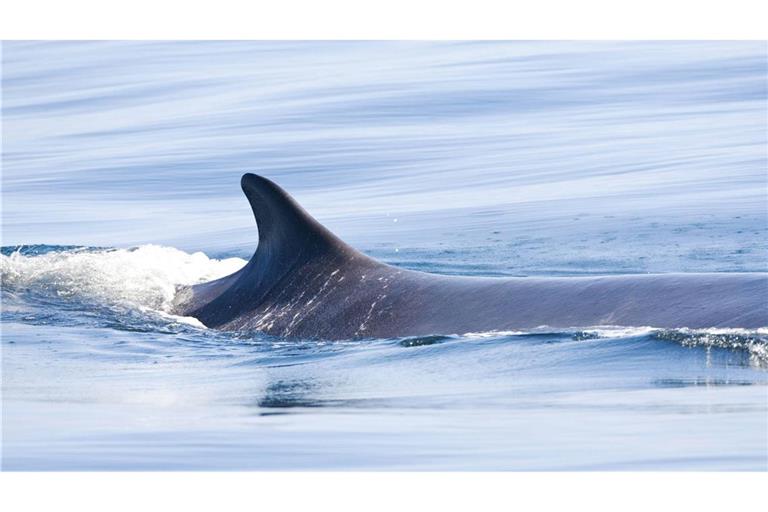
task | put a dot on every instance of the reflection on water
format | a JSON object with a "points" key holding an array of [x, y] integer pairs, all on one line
{"points": [[681, 383], [89, 397], [423, 340], [294, 393]]}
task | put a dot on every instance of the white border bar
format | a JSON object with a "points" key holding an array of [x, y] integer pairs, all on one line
{"points": [[393, 19]]}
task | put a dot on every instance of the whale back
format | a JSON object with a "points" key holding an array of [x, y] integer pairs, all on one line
{"points": [[304, 281]]}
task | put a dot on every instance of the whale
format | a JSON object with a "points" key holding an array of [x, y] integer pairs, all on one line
{"points": [[305, 282]]}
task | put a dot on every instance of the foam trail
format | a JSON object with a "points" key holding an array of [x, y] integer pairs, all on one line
{"points": [[143, 277]]}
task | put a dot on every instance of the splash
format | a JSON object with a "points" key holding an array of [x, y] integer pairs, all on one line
{"points": [[143, 277], [755, 343]]}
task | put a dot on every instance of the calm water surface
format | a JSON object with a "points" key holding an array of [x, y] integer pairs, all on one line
{"points": [[120, 180]]}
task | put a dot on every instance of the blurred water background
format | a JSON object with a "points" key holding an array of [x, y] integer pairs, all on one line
{"points": [[120, 179]]}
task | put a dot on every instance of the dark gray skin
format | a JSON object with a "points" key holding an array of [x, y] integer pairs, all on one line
{"points": [[305, 282]]}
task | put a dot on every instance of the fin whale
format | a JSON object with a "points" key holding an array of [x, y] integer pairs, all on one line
{"points": [[303, 281]]}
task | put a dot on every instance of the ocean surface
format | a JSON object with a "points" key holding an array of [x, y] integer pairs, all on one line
{"points": [[120, 180]]}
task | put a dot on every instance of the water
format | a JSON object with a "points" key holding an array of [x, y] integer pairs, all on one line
{"points": [[121, 163]]}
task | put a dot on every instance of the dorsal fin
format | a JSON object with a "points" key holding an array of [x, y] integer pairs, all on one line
{"points": [[283, 224], [288, 235], [289, 239]]}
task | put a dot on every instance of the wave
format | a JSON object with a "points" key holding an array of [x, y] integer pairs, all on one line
{"points": [[754, 343], [143, 277]]}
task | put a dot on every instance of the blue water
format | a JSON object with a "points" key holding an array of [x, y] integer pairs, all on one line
{"points": [[120, 180]]}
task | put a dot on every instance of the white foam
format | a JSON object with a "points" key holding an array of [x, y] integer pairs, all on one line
{"points": [[615, 331], [141, 277], [735, 331], [188, 320], [493, 334], [628, 332], [601, 332]]}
